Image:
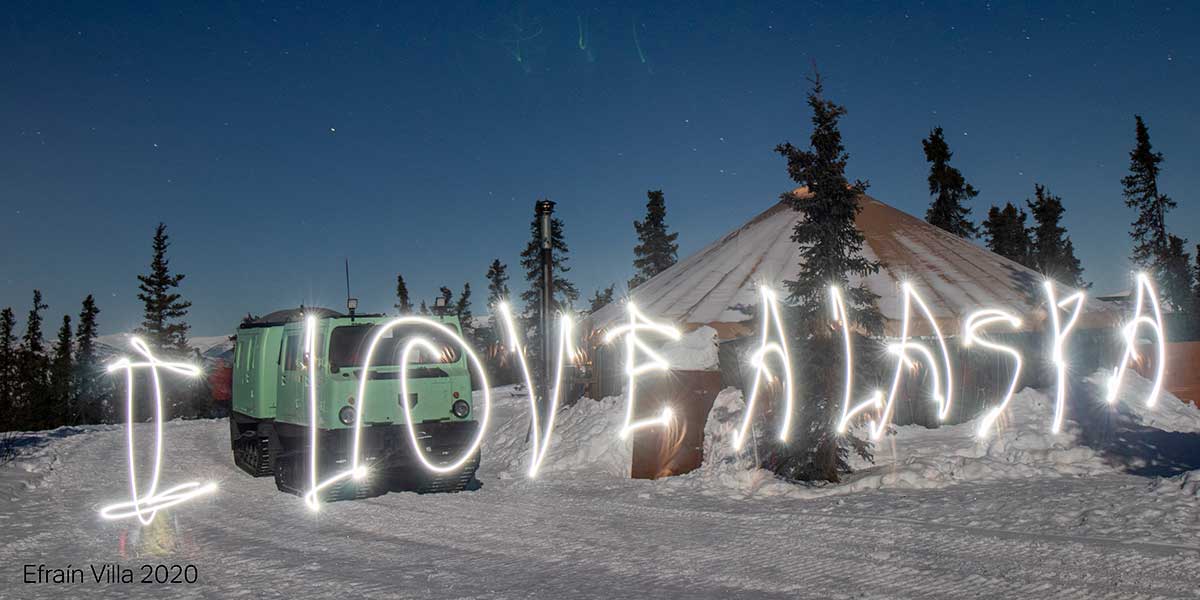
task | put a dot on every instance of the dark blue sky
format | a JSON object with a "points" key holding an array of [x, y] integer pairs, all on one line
{"points": [[276, 139]]}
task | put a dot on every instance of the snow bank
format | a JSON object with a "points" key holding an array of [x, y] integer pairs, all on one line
{"points": [[34, 454], [694, 351], [911, 457], [918, 457], [1168, 414], [586, 437]]}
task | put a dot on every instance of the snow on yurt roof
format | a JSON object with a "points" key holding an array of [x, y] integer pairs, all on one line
{"points": [[715, 285]]}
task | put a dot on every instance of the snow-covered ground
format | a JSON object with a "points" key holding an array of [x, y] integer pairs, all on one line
{"points": [[940, 515]]}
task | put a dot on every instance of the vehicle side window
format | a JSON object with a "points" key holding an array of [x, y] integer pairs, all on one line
{"points": [[291, 354]]}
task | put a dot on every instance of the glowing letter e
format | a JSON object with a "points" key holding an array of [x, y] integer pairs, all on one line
{"points": [[771, 320], [656, 363], [1144, 290]]}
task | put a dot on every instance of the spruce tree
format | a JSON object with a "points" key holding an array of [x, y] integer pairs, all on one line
{"points": [[601, 298], [1149, 231], [32, 373], [8, 369], [164, 308], [462, 307], [949, 189], [497, 276], [1196, 297], [424, 309], [831, 251], [402, 304], [1176, 283], [61, 373], [563, 292], [1053, 252], [656, 249], [93, 406], [1007, 235]]}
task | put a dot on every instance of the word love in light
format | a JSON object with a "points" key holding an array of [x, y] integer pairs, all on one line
{"points": [[145, 507]]}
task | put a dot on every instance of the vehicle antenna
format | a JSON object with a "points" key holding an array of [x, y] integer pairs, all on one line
{"points": [[351, 303]]}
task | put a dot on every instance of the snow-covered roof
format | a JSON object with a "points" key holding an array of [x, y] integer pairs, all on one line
{"points": [[954, 276]]}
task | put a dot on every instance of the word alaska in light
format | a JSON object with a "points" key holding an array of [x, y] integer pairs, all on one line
{"points": [[1144, 291], [1058, 354], [841, 317], [943, 382], [971, 335], [358, 471], [634, 345], [772, 322], [541, 440], [145, 507]]}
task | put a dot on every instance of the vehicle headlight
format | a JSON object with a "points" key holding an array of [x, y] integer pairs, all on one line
{"points": [[460, 408], [346, 415]]}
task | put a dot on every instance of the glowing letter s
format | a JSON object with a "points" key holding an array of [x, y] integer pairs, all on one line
{"points": [[975, 322]]}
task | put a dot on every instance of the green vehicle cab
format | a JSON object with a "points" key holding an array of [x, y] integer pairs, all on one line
{"points": [[270, 419]]}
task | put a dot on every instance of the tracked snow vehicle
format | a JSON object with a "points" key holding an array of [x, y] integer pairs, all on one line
{"points": [[270, 421]]}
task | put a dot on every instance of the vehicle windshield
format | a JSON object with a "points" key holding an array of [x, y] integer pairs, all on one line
{"points": [[348, 346]]}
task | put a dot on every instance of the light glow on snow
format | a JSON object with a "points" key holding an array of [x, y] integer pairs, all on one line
{"points": [[1057, 353], [770, 314], [971, 336], [541, 441], [1144, 290], [358, 471], [656, 362], [876, 400], [146, 507], [902, 349]]}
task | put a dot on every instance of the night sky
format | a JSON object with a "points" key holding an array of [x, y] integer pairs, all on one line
{"points": [[275, 139]]}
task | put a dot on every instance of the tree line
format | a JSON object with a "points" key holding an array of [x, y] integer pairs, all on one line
{"points": [[65, 383]]}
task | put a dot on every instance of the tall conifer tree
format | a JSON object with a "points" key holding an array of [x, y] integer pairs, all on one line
{"points": [[1149, 231], [601, 298], [656, 249], [949, 189], [61, 373], [497, 276], [831, 250], [1154, 248], [8, 369], [1053, 251], [33, 369], [92, 403], [1175, 280], [163, 307], [462, 307], [563, 292], [403, 306], [1006, 234]]}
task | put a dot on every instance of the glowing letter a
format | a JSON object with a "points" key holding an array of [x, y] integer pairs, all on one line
{"points": [[771, 321], [1144, 290]]}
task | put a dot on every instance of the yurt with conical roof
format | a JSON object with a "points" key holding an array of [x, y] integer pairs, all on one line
{"points": [[718, 287]]}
